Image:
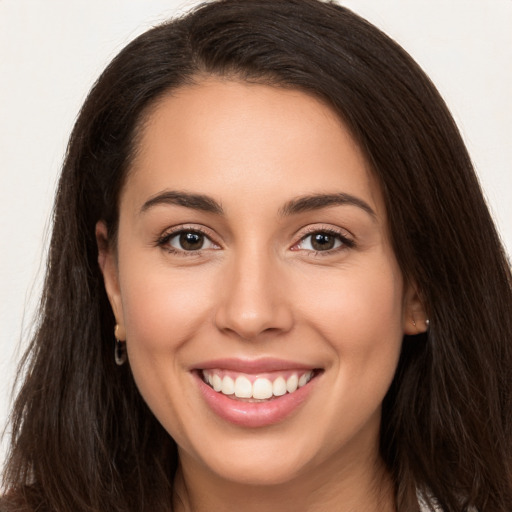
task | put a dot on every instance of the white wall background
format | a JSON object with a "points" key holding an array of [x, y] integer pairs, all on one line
{"points": [[51, 51]]}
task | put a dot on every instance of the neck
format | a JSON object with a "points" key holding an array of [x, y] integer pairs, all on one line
{"points": [[332, 487]]}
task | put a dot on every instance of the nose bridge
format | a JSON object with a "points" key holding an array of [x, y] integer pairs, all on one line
{"points": [[253, 300]]}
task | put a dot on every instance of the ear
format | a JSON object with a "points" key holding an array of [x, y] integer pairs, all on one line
{"points": [[107, 261], [415, 319]]}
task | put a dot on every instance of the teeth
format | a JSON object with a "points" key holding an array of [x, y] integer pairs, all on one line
{"points": [[279, 387], [260, 389], [304, 379], [243, 387], [217, 383], [291, 383], [228, 385]]}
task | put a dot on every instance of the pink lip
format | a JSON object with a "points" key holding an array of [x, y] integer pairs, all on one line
{"points": [[264, 365], [253, 414]]}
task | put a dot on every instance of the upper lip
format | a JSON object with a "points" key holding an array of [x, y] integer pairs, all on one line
{"points": [[262, 365]]}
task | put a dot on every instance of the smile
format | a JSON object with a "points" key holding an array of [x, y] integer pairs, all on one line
{"points": [[252, 387], [255, 394]]}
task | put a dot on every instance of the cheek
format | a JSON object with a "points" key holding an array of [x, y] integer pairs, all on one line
{"points": [[355, 300], [163, 308], [359, 313]]}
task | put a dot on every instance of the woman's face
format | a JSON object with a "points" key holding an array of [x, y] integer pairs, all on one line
{"points": [[255, 285]]}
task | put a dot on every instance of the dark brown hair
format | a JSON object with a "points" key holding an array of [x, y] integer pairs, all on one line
{"points": [[84, 440]]}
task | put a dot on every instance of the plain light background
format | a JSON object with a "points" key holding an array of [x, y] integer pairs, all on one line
{"points": [[51, 51]]}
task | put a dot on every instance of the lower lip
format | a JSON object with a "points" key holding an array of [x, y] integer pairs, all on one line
{"points": [[254, 414]]}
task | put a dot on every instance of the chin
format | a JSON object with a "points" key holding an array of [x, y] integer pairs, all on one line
{"points": [[267, 471]]}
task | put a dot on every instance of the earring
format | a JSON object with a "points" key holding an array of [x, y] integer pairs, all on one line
{"points": [[427, 322], [119, 349]]}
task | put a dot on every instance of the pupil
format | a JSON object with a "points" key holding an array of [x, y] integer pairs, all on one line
{"points": [[191, 241], [322, 242]]}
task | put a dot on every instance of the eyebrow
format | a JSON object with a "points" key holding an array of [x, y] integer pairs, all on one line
{"points": [[298, 205], [186, 199], [319, 201]]}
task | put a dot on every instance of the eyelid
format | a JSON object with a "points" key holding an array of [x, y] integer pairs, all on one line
{"points": [[163, 239], [347, 239]]}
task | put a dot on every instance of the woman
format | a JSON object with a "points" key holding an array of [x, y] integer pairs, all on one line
{"points": [[273, 284]]}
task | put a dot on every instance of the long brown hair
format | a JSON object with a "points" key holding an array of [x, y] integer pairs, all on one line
{"points": [[84, 440]]}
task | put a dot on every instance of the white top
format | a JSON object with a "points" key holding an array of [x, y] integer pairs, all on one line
{"points": [[423, 505]]}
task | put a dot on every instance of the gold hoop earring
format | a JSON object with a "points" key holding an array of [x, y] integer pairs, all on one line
{"points": [[120, 355]]}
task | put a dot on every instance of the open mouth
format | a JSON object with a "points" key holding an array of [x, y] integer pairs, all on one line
{"points": [[257, 388], [258, 393]]}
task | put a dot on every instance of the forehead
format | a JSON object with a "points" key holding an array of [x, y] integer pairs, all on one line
{"points": [[218, 135]]}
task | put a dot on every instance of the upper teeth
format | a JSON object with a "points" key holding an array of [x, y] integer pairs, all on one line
{"points": [[261, 388]]}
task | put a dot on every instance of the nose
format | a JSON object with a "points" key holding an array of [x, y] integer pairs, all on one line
{"points": [[255, 298]]}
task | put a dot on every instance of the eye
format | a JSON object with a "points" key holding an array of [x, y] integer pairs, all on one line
{"points": [[323, 241], [187, 241]]}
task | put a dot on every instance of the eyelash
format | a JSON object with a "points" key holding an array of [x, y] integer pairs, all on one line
{"points": [[346, 242], [163, 240]]}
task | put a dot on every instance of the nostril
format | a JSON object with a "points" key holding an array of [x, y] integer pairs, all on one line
{"points": [[251, 325]]}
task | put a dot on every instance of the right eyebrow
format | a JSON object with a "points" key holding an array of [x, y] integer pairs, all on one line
{"points": [[186, 199]]}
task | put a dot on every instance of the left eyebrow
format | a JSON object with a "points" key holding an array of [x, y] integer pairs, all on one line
{"points": [[319, 201]]}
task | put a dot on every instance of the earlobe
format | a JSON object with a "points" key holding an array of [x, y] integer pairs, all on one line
{"points": [[108, 265], [415, 318]]}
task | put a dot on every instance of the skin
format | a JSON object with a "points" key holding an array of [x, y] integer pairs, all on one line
{"points": [[257, 289]]}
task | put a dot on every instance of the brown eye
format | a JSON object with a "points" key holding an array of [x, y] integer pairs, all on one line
{"points": [[323, 241], [190, 241]]}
